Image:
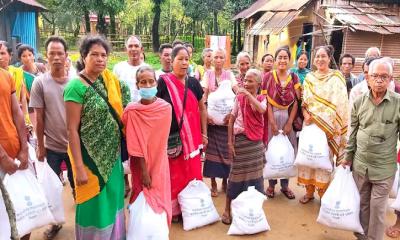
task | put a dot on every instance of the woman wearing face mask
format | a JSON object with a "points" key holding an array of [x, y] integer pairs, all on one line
{"points": [[188, 132], [217, 160], [243, 63], [147, 136], [94, 104], [282, 89], [325, 103], [267, 63], [301, 70]]}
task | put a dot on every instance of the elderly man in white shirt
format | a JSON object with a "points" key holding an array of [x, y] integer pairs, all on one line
{"points": [[126, 70]]}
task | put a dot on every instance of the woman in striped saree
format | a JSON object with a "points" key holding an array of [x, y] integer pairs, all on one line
{"points": [[245, 141], [217, 160]]}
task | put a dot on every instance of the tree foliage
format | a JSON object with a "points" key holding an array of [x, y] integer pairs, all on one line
{"points": [[70, 12], [171, 18]]}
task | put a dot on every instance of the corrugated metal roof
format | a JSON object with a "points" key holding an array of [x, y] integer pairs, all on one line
{"points": [[283, 6], [366, 17], [271, 6], [258, 26], [250, 11], [32, 3], [273, 22]]}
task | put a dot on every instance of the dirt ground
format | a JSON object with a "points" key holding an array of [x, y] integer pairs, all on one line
{"points": [[288, 220]]}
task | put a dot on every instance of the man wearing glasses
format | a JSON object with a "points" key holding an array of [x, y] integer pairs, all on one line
{"points": [[371, 148]]}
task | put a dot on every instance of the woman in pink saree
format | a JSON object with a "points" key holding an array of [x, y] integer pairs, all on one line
{"points": [[147, 137]]}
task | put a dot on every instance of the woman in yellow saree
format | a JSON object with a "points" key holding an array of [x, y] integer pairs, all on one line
{"points": [[325, 103]]}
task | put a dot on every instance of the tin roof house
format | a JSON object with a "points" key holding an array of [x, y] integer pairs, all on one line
{"points": [[350, 26], [19, 21]]}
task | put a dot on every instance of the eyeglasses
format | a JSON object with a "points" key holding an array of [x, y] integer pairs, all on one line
{"points": [[383, 77]]}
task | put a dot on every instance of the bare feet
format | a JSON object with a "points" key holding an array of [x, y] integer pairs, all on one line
{"points": [[226, 218], [214, 192], [224, 185], [214, 188]]}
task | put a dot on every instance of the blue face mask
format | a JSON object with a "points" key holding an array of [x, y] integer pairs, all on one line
{"points": [[148, 93]]}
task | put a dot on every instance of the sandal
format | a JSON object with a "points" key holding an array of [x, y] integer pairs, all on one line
{"points": [[392, 232], [270, 192], [288, 193], [306, 199], [52, 232], [225, 219], [214, 192]]}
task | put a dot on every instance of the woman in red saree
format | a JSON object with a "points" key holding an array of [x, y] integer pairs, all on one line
{"points": [[147, 137], [188, 132], [282, 89]]}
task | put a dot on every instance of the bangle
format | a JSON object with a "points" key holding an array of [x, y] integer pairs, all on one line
{"points": [[204, 136]]}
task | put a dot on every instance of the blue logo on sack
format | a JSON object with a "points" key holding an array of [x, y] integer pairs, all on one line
{"points": [[251, 212], [337, 205], [28, 201], [202, 202], [310, 148]]}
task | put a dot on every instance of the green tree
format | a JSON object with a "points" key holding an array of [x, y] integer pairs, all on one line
{"points": [[192, 10], [234, 7], [104, 8], [156, 24], [215, 6]]}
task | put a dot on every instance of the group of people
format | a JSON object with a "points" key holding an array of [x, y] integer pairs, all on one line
{"points": [[155, 124]]}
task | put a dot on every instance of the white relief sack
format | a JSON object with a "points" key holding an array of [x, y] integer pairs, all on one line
{"points": [[220, 102], [280, 158], [340, 205], [53, 189], [248, 216], [5, 228], [395, 187], [30, 204], [396, 204], [197, 206], [313, 150], [144, 223]]}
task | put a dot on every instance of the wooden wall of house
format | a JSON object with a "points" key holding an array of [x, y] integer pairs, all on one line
{"points": [[356, 43], [288, 36], [248, 39]]}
